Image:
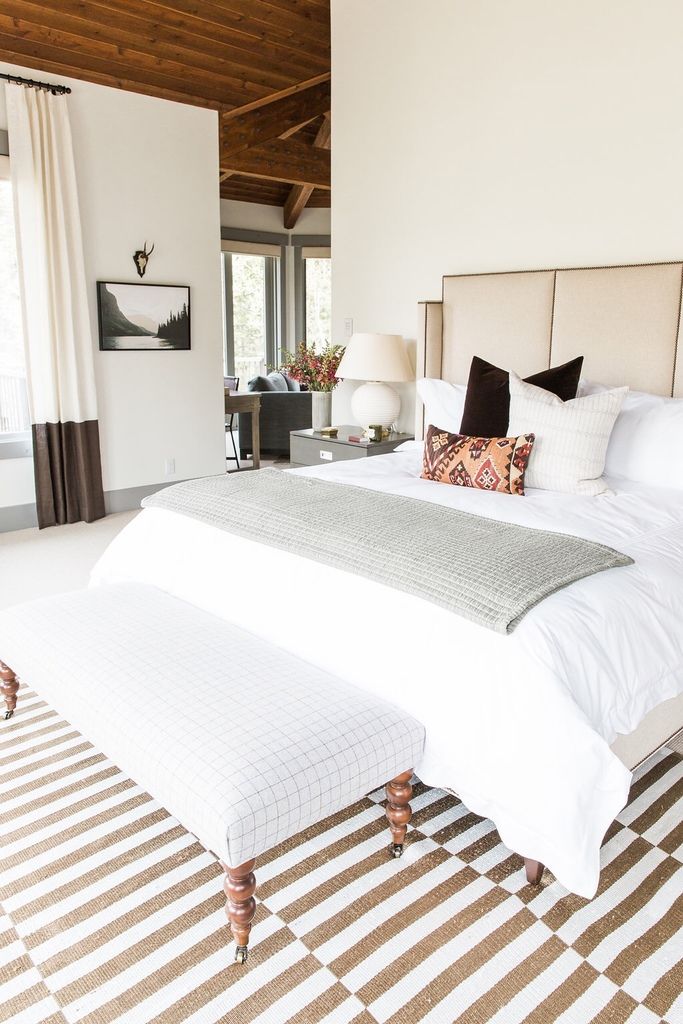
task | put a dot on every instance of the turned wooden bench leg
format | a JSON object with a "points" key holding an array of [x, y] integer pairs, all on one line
{"points": [[398, 809], [534, 871], [239, 886], [10, 685]]}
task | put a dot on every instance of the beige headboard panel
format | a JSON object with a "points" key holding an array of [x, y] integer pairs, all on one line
{"points": [[625, 320], [505, 318]]}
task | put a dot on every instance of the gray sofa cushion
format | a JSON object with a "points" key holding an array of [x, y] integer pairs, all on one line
{"points": [[275, 381]]}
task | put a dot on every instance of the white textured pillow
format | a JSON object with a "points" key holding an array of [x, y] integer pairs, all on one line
{"points": [[571, 437], [444, 403], [647, 438]]}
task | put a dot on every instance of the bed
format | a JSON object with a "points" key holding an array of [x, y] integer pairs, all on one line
{"points": [[536, 730]]}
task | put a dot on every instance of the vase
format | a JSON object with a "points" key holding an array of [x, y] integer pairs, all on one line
{"points": [[321, 409]]}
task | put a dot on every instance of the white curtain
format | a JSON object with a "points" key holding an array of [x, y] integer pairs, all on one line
{"points": [[56, 321]]}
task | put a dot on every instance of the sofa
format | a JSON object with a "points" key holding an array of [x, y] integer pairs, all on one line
{"points": [[284, 407]]}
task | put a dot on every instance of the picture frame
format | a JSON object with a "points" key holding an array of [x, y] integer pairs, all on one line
{"points": [[143, 317]]}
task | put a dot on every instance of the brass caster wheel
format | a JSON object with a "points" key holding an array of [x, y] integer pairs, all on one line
{"points": [[397, 850], [241, 954], [8, 715]]}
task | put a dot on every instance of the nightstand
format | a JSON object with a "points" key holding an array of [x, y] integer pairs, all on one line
{"points": [[310, 448]]}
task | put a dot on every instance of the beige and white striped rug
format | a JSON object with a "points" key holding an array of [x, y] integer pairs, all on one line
{"points": [[111, 911]]}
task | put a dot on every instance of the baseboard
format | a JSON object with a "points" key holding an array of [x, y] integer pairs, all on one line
{"points": [[130, 497], [18, 517], [24, 517]]}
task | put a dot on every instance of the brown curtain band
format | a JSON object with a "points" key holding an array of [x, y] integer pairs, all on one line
{"points": [[68, 473]]}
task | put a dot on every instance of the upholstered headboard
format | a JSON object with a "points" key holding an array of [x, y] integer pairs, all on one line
{"points": [[625, 320]]}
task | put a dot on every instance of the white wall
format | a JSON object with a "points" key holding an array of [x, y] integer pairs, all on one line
{"points": [[474, 135], [147, 170]]}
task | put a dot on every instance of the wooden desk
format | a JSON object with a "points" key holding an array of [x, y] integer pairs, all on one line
{"points": [[247, 401]]}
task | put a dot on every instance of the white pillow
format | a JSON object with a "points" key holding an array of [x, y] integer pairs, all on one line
{"points": [[647, 439], [444, 403], [571, 437]]}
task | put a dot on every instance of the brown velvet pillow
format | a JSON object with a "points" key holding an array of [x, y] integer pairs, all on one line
{"points": [[487, 402]]}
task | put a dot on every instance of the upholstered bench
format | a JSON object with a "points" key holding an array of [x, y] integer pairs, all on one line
{"points": [[244, 743]]}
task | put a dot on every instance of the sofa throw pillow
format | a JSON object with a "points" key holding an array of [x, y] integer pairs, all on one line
{"points": [[487, 403], [571, 437], [488, 463], [275, 381], [292, 385], [260, 384], [278, 381]]}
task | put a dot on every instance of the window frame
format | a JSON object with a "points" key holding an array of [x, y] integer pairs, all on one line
{"points": [[16, 444], [236, 241]]}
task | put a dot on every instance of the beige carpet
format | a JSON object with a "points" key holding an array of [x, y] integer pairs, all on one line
{"points": [[111, 912], [35, 563]]}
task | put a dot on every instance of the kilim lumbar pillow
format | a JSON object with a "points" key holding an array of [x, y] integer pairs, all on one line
{"points": [[489, 463]]}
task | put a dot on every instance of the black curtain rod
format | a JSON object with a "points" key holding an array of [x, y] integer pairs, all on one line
{"points": [[56, 90]]}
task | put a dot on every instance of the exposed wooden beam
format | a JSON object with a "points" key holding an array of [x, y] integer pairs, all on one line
{"points": [[245, 108], [296, 127], [271, 193], [300, 194], [277, 119], [287, 160], [323, 139], [295, 204]]}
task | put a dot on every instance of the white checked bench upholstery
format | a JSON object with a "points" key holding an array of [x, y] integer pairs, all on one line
{"points": [[243, 742]]}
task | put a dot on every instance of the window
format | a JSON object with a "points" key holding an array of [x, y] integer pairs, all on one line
{"points": [[313, 292], [318, 298], [14, 414], [251, 274]]}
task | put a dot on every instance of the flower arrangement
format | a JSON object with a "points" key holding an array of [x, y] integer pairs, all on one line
{"points": [[315, 369]]}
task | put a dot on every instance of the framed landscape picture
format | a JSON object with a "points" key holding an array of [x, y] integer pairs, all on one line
{"points": [[149, 317]]}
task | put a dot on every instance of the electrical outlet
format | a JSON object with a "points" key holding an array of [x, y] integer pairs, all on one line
{"points": [[348, 326], [169, 467]]}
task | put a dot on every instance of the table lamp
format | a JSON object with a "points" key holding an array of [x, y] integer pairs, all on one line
{"points": [[375, 358]]}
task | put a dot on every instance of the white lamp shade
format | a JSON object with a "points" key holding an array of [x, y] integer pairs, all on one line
{"points": [[375, 357]]}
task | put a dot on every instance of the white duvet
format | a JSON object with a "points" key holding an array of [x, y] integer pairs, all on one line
{"points": [[520, 725]]}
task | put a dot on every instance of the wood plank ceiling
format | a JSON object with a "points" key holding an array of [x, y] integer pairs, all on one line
{"points": [[263, 64]]}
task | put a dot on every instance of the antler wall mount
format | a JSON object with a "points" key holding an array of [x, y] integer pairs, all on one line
{"points": [[141, 259]]}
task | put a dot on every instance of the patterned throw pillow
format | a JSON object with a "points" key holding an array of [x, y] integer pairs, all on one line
{"points": [[489, 463]]}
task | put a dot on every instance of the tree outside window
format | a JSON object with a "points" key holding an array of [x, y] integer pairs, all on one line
{"points": [[318, 284]]}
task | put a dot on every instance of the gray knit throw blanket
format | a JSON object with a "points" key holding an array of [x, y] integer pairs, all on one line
{"points": [[490, 572]]}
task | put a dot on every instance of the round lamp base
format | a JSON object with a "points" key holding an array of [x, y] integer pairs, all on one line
{"points": [[375, 403]]}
